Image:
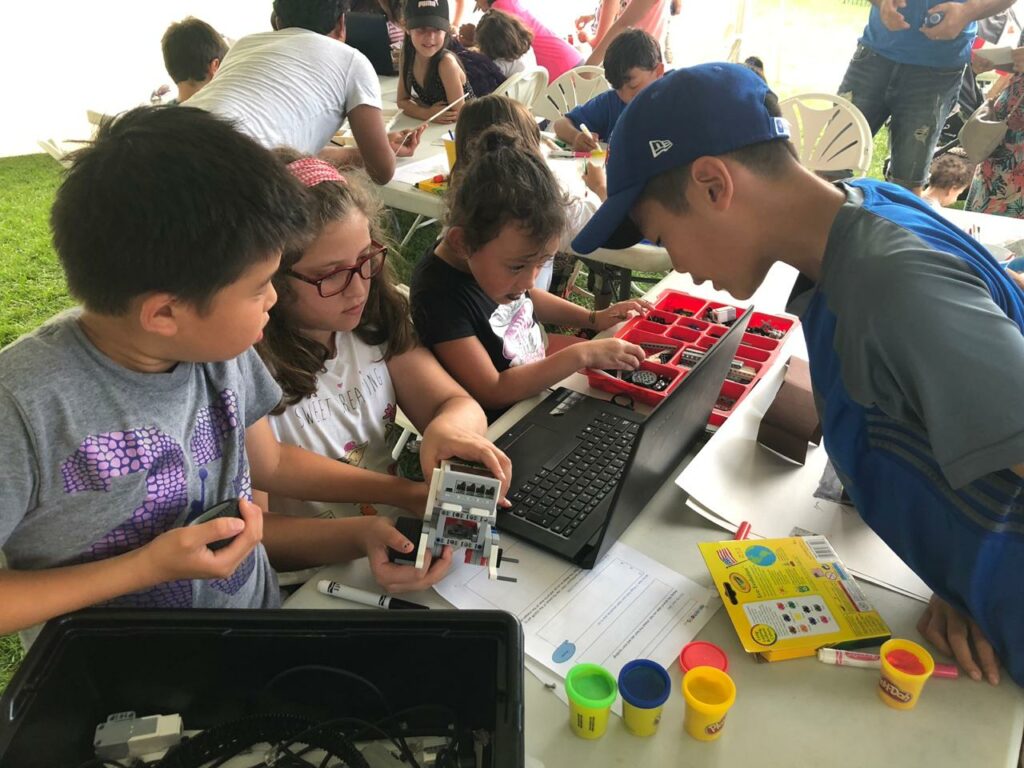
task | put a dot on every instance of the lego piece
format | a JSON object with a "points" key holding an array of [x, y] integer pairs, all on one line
{"points": [[646, 379], [740, 372], [767, 330], [462, 509], [722, 315]]}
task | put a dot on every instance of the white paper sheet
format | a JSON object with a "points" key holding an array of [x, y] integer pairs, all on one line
{"points": [[627, 607], [413, 170], [734, 479]]}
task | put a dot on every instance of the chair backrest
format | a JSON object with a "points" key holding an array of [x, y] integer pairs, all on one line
{"points": [[524, 86], [830, 134], [569, 90]]}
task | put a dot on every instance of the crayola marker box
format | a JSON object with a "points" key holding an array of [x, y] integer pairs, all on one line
{"points": [[789, 597]]}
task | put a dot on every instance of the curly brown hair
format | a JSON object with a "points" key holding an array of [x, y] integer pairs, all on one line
{"points": [[502, 36], [294, 359]]}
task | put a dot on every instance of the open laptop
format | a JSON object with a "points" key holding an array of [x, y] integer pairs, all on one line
{"points": [[368, 34], [584, 468]]}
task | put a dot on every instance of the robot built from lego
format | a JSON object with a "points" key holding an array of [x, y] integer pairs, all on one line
{"points": [[462, 509]]}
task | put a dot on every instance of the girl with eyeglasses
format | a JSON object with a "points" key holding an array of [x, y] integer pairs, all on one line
{"points": [[340, 343]]}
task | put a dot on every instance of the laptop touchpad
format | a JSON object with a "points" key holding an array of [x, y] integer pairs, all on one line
{"points": [[534, 445]]}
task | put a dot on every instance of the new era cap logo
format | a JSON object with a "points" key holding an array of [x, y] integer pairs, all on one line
{"points": [[659, 146]]}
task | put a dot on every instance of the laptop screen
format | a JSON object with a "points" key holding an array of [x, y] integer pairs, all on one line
{"points": [[667, 435]]}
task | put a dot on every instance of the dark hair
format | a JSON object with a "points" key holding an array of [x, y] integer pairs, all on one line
{"points": [[949, 172], [189, 46], [501, 36], [295, 359], [409, 59], [765, 158], [632, 48], [755, 64], [170, 199], [315, 15], [504, 183], [392, 9], [489, 111]]}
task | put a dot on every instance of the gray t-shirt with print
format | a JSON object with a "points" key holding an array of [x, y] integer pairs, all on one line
{"points": [[99, 460]]}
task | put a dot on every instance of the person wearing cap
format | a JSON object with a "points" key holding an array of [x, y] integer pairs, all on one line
{"points": [[296, 86], [431, 81], [908, 67], [914, 334]]}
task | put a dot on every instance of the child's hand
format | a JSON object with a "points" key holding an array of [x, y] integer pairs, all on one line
{"points": [[448, 117], [584, 143], [889, 11], [443, 440], [467, 34], [404, 143], [182, 553], [596, 180], [623, 310], [379, 534], [980, 64], [611, 353]]}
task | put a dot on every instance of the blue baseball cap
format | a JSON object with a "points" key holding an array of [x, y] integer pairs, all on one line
{"points": [[709, 109]]}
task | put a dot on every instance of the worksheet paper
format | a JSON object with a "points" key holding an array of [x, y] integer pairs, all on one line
{"points": [[733, 479], [627, 607], [412, 170]]}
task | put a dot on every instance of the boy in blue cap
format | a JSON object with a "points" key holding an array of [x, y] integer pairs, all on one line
{"points": [[905, 317]]}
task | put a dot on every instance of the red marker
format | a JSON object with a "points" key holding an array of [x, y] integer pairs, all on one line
{"points": [[742, 532]]}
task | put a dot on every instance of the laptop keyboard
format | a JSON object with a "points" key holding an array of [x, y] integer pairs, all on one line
{"points": [[573, 483]]}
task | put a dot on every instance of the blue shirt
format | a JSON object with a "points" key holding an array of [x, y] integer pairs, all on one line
{"points": [[600, 114], [914, 335], [910, 46]]}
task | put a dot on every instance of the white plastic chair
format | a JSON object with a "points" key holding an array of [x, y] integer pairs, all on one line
{"points": [[830, 134], [524, 86], [569, 90]]}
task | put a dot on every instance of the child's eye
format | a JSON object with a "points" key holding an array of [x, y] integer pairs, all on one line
{"points": [[516, 268]]}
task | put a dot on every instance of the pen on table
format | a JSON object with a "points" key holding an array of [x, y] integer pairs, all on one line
{"points": [[874, 661], [742, 532], [334, 589], [567, 153]]}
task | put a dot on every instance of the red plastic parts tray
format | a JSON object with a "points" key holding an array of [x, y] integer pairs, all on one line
{"points": [[677, 331]]}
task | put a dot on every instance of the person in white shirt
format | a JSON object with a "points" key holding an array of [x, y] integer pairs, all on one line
{"points": [[340, 343], [295, 86]]}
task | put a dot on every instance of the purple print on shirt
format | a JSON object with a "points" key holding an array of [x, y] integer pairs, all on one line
{"points": [[101, 458]]}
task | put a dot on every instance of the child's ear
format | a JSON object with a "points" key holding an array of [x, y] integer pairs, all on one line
{"points": [[212, 69], [158, 313], [456, 238], [660, 69], [713, 181]]}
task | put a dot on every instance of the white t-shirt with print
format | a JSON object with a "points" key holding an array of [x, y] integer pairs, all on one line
{"points": [[290, 88], [351, 418]]}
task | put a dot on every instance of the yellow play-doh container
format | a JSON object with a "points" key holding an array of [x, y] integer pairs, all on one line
{"points": [[906, 667], [591, 690], [449, 149], [645, 687], [709, 693]]}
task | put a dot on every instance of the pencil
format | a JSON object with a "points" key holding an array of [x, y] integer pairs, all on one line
{"points": [[742, 532], [432, 118]]}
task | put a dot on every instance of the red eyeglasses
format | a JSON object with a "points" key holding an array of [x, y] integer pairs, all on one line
{"points": [[369, 265]]}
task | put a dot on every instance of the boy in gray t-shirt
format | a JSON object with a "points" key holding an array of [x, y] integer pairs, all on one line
{"points": [[122, 421]]}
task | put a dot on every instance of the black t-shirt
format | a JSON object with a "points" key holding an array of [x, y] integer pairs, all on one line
{"points": [[447, 304]]}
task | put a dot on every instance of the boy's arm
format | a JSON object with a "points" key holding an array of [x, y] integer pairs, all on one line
{"points": [[468, 361], [378, 156], [31, 597], [288, 470], [567, 128]]}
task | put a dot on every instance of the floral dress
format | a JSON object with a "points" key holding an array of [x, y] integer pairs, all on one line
{"points": [[998, 185]]}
